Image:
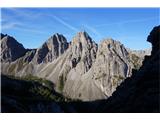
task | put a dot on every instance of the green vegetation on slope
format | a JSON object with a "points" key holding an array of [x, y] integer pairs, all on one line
{"points": [[117, 79], [32, 94], [61, 84], [135, 60], [36, 88]]}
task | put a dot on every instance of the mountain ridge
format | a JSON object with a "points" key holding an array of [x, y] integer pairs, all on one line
{"points": [[80, 69], [137, 93]]}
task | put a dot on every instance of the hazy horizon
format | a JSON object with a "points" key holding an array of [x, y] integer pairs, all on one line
{"points": [[33, 26]]}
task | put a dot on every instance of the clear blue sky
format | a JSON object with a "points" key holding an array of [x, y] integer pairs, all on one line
{"points": [[33, 26]]}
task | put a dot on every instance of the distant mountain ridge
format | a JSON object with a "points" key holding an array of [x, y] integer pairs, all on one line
{"points": [[80, 69], [140, 53]]}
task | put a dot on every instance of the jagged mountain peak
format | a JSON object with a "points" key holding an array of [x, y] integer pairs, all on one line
{"points": [[86, 71], [8, 38], [11, 49], [51, 49], [56, 37], [83, 38], [3, 35], [111, 46], [83, 51], [110, 42], [57, 40], [82, 33]]}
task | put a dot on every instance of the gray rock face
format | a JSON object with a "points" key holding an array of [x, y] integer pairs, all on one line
{"points": [[107, 72], [83, 51], [74, 63], [112, 64], [10, 49], [28, 57], [140, 92], [51, 49], [80, 70], [82, 55]]}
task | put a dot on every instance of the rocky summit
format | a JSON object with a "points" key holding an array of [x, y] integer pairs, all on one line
{"points": [[140, 92], [79, 70], [10, 49], [51, 49]]}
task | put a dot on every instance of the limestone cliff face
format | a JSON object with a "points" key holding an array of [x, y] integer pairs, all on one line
{"points": [[112, 65], [109, 69], [29, 62], [82, 56], [140, 92], [51, 49], [67, 70], [80, 70], [10, 49], [83, 50]]}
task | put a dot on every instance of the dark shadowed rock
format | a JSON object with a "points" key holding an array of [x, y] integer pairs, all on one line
{"points": [[154, 38], [23, 97], [3, 35], [29, 55]]}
